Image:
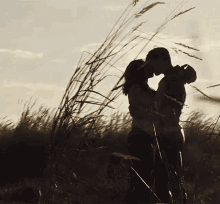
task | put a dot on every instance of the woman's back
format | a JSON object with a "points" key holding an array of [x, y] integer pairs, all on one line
{"points": [[141, 98]]}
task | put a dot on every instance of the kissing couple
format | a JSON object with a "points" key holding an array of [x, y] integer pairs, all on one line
{"points": [[155, 112]]}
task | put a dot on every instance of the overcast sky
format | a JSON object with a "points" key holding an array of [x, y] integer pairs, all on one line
{"points": [[42, 41]]}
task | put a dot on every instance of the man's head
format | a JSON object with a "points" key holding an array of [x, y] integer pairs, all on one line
{"points": [[159, 59]]}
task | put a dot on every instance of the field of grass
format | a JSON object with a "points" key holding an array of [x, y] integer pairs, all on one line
{"points": [[75, 157], [95, 169]]}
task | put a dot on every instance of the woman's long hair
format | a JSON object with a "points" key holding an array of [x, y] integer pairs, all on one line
{"points": [[133, 75]]}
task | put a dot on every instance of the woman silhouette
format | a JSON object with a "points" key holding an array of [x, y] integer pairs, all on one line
{"points": [[141, 100]]}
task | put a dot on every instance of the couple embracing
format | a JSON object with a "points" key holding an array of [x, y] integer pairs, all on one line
{"points": [[155, 112]]}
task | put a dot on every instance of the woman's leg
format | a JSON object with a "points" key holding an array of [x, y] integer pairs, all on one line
{"points": [[139, 145], [161, 181]]}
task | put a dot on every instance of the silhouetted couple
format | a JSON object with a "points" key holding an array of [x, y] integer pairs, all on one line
{"points": [[155, 112]]}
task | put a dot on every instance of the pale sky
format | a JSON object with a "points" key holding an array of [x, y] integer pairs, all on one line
{"points": [[42, 41]]}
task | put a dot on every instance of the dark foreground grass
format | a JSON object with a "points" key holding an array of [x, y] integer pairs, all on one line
{"points": [[96, 170]]}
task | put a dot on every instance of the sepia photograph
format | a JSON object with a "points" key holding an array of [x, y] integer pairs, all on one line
{"points": [[110, 101]]}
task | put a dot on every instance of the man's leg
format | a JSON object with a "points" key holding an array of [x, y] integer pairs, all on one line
{"points": [[171, 143], [174, 160], [161, 177], [180, 171]]}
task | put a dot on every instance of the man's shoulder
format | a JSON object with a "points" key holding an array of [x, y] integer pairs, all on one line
{"points": [[172, 84]]}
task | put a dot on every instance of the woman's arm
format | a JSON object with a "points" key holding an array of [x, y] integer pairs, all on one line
{"points": [[166, 85]]}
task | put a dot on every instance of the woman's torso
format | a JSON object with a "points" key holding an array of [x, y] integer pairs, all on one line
{"points": [[142, 99]]}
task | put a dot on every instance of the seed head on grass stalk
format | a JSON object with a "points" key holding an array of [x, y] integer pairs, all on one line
{"points": [[186, 46], [188, 54], [117, 33], [204, 88], [174, 48], [182, 13], [180, 44], [136, 27], [161, 27], [147, 8], [135, 2]]}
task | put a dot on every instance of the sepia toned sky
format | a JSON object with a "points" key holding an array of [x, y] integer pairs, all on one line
{"points": [[42, 41]]}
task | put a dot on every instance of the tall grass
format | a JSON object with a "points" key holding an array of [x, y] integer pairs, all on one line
{"points": [[200, 157], [80, 92], [23, 152], [97, 169]]}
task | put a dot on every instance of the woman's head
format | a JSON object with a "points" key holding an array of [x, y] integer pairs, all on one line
{"points": [[136, 72]]}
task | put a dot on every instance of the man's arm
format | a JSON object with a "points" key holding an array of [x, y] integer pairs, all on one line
{"points": [[134, 112], [159, 96]]}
